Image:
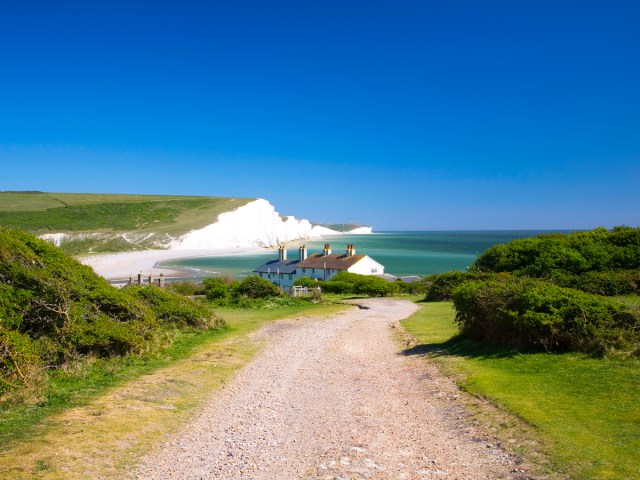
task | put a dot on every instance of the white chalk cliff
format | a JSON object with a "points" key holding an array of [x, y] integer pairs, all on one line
{"points": [[256, 224]]}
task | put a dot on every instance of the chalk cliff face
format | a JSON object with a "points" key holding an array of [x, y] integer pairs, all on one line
{"points": [[256, 224]]}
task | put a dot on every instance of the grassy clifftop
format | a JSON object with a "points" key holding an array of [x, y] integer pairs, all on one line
{"points": [[111, 222]]}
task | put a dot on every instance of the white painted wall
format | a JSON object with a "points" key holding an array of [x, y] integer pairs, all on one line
{"points": [[367, 266]]}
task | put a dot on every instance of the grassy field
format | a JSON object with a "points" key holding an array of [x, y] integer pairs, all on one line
{"points": [[71, 212], [150, 217], [102, 417], [584, 410]]}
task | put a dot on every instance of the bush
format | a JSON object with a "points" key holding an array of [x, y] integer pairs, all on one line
{"points": [[54, 309], [413, 288], [306, 282], [345, 282], [186, 288], [176, 310], [441, 285], [217, 289], [596, 250], [255, 287], [536, 314]]}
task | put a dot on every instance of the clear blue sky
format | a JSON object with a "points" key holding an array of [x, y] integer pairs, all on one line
{"points": [[399, 114]]}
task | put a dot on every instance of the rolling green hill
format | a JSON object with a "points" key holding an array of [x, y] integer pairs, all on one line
{"points": [[111, 222]]}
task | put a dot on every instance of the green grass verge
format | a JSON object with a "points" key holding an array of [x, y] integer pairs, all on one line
{"points": [[86, 380], [586, 410]]}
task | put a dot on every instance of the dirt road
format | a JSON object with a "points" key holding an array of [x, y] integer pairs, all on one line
{"points": [[330, 398]]}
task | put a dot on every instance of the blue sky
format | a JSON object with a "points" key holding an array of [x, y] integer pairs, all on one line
{"points": [[405, 115]]}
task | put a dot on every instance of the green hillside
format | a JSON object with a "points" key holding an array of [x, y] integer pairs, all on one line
{"points": [[54, 310], [111, 222]]}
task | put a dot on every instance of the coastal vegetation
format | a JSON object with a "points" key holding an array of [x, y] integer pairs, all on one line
{"points": [[547, 328], [580, 410], [75, 349], [110, 222], [368, 285], [118, 411], [55, 312], [550, 292]]}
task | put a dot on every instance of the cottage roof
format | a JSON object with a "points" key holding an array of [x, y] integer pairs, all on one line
{"points": [[334, 261], [409, 279], [277, 266]]}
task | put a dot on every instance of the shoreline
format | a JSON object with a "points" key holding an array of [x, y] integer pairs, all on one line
{"points": [[121, 265]]}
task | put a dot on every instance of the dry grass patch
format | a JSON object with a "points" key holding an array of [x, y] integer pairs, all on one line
{"points": [[105, 438]]}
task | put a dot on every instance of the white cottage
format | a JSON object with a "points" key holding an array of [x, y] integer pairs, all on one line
{"points": [[284, 272]]}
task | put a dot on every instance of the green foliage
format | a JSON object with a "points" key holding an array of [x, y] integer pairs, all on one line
{"points": [[102, 216], [533, 313], [596, 250], [412, 288], [442, 285], [218, 289], [584, 410], [174, 309], [54, 309], [255, 287], [186, 288], [150, 217], [306, 282], [599, 261], [345, 282]]}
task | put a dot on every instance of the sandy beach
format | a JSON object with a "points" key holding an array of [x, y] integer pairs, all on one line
{"points": [[118, 266]]}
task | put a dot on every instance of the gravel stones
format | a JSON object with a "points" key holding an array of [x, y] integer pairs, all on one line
{"points": [[330, 399]]}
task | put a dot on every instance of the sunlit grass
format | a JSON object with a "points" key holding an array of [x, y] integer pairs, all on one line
{"points": [[585, 409]]}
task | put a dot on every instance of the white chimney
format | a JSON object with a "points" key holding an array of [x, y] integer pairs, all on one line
{"points": [[351, 251], [282, 253], [327, 250], [303, 252]]}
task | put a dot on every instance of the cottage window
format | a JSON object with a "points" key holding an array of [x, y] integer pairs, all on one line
{"points": [[304, 270], [290, 276], [374, 270]]}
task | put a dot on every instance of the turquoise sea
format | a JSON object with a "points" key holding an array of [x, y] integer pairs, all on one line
{"points": [[402, 253]]}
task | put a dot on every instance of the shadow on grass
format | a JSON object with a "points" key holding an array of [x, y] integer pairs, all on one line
{"points": [[461, 346]]}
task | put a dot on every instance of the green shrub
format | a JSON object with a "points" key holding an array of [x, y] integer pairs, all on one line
{"points": [[174, 309], [337, 286], [217, 290], [441, 285], [413, 288], [534, 313], [54, 309], [186, 288], [306, 282], [255, 287], [345, 282], [576, 253]]}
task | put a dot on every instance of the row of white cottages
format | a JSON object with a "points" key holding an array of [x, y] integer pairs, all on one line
{"points": [[284, 272]]}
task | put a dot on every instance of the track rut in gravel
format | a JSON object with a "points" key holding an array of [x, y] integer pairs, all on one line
{"points": [[331, 399]]}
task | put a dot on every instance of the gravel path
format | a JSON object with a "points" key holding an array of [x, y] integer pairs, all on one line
{"points": [[331, 399]]}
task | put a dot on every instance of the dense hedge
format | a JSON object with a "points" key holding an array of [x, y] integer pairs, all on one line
{"points": [[52, 309], [441, 285], [345, 282], [599, 261], [597, 250], [533, 313]]}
